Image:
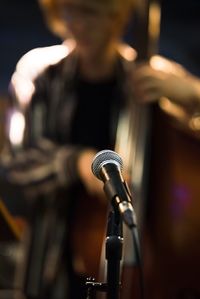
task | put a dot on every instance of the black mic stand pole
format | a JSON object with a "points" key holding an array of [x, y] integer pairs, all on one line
{"points": [[114, 245]]}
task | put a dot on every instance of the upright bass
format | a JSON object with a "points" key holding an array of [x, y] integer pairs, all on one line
{"points": [[164, 159]]}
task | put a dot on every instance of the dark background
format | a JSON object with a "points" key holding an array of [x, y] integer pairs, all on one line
{"points": [[22, 28]]}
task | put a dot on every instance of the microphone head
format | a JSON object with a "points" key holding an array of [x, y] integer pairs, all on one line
{"points": [[104, 157]]}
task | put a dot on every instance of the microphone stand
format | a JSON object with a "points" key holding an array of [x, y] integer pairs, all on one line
{"points": [[114, 244], [106, 166]]}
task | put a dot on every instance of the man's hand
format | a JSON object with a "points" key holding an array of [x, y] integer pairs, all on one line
{"points": [[164, 78]]}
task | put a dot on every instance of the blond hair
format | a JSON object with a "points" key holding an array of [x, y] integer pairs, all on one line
{"points": [[58, 26]]}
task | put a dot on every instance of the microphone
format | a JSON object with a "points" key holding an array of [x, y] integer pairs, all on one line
{"points": [[107, 166]]}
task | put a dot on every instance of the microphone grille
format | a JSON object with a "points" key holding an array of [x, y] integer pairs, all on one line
{"points": [[103, 157]]}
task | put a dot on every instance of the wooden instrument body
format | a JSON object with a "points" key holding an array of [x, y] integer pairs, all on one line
{"points": [[173, 211], [170, 235]]}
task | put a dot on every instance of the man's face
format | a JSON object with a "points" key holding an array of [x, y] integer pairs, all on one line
{"points": [[94, 27]]}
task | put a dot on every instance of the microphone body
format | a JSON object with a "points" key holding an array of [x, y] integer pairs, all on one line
{"points": [[107, 167]]}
